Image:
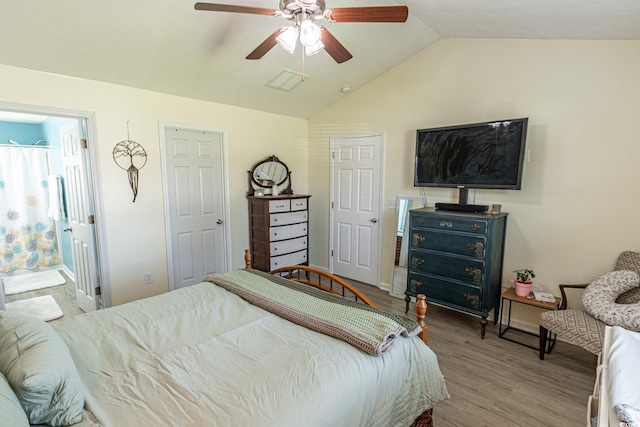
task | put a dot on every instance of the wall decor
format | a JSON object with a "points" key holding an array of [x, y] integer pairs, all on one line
{"points": [[130, 156]]}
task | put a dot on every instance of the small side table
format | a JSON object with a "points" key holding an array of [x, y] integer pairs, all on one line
{"points": [[510, 295]]}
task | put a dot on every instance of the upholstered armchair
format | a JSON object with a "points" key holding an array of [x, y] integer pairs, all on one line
{"points": [[583, 329]]}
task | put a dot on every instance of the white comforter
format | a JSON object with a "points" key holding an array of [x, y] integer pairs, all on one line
{"points": [[202, 356]]}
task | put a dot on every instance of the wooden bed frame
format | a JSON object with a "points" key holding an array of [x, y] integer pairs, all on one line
{"points": [[328, 282]]}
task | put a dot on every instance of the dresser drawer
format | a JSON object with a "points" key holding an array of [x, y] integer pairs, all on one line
{"points": [[456, 243], [288, 246], [441, 290], [287, 231], [298, 204], [289, 259], [288, 218], [279, 206], [464, 269], [450, 223]]}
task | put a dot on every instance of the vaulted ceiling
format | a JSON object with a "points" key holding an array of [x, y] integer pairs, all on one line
{"points": [[168, 46]]}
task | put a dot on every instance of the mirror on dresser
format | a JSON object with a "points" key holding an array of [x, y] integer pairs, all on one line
{"points": [[269, 176], [399, 277]]}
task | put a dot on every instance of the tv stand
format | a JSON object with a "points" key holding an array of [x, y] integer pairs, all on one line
{"points": [[459, 207]]}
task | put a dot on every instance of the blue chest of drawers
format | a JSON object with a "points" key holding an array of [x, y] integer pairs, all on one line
{"points": [[455, 259]]}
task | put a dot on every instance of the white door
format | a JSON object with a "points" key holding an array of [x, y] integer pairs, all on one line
{"points": [[356, 167], [195, 184], [80, 214]]}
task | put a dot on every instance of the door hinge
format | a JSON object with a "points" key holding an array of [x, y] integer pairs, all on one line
{"points": [[331, 252], [83, 143], [92, 219], [331, 205], [333, 155]]}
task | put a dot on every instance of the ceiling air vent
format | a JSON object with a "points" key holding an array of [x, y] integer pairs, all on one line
{"points": [[286, 80]]}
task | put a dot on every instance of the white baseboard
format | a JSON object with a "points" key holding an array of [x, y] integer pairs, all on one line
{"points": [[70, 274], [385, 287], [533, 328]]}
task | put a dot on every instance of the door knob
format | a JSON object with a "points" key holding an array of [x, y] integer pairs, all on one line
{"points": [[67, 229], [373, 220], [219, 221]]}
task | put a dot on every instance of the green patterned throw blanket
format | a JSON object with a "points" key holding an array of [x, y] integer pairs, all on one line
{"points": [[364, 327]]}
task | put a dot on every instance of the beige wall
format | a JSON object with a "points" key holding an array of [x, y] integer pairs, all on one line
{"points": [[579, 204], [579, 201], [135, 232]]}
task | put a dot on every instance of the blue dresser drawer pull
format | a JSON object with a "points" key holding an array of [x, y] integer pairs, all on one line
{"points": [[474, 299], [478, 247], [420, 220], [415, 262], [417, 239], [447, 224], [475, 272], [414, 284], [475, 227]]}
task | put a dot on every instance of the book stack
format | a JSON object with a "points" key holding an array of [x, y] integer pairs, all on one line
{"points": [[544, 296]]}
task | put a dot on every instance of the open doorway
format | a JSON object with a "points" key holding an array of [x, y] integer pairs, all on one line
{"points": [[48, 234]]}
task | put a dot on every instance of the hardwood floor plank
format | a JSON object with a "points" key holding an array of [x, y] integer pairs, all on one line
{"points": [[496, 382]]}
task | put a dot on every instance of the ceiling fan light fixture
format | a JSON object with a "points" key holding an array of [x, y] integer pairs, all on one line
{"points": [[288, 39], [312, 50], [310, 33]]}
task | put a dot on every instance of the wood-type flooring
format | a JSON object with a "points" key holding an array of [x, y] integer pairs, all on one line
{"points": [[495, 382]]}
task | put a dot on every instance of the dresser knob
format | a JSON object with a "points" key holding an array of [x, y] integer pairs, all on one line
{"points": [[416, 239]]}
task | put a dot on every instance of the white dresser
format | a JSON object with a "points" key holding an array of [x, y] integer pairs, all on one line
{"points": [[278, 231]]}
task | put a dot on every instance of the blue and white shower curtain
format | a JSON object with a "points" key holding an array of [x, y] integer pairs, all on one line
{"points": [[27, 235]]}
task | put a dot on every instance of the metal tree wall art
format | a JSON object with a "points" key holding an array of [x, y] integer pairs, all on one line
{"points": [[130, 156]]}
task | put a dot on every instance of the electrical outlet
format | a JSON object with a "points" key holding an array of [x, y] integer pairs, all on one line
{"points": [[148, 278], [511, 284], [391, 204]]}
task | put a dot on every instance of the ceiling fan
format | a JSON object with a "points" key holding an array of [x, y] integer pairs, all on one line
{"points": [[313, 37]]}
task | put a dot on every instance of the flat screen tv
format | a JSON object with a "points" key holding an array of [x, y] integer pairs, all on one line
{"points": [[477, 155]]}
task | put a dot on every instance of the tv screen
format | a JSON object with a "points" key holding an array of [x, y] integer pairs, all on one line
{"points": [[478, 155]]}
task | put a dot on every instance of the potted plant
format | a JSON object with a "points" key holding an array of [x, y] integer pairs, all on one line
{"points": [[523, 281]]}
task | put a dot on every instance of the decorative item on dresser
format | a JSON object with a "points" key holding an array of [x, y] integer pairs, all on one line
{"points": [[269, 173], [278, 231], [455, 258]]}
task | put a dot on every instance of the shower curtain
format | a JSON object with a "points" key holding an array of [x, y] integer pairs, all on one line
{"points": [[27, 235]]}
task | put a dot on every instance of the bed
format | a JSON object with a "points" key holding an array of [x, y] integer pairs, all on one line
{"points": [[615, 401], [205, 356]]}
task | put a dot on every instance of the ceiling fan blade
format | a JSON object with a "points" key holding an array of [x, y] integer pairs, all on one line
{"points": [[216, 7], [367, 14], [266, 45], [334, 48]]}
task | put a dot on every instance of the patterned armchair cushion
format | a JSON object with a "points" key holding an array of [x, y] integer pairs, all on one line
{"points": [[629, 260], [576, 327], [599, 299]]}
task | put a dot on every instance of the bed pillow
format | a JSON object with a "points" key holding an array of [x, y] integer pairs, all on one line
{"points": [[39, 368], [10, 409]]}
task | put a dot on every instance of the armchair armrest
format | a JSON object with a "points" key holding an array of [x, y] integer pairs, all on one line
{"points": [[563, 304]]}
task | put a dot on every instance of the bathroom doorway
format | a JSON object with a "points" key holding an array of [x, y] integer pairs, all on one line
{"points": [[63, 234]]}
